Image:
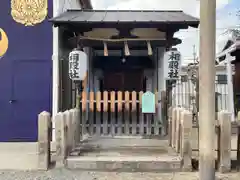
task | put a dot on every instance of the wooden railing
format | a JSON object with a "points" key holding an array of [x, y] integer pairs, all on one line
{"points": [[113, 101], [118, 113]]}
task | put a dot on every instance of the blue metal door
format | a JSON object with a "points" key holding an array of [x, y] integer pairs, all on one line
{"points": [[31, 95], [5, 96], [25, 75]]}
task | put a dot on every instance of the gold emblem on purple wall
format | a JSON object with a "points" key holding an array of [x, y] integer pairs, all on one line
{"points": [[29, 12], [3, 43]]}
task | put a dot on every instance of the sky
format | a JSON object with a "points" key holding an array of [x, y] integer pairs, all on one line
{"points": [[225, 18]]}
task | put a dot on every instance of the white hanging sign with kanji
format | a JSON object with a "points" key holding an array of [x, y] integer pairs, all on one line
{"points": [[173, 60], [77, 65]]}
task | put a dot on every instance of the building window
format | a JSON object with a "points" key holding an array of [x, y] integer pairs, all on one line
{"points": [[222, 79], [184, 78]]}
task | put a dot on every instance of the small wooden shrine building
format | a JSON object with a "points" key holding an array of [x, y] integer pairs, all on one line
{"points": [[125, 51]]}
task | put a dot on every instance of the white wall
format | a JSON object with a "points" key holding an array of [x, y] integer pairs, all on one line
{"points": [[59, 6], [71, 4]]}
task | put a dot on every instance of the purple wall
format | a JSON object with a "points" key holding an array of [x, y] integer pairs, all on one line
{"points": [[25, 76]]}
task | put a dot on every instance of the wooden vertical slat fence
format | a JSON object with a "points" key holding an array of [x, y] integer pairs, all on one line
{"points": [[98, 109], [91, 101], [134, 114], [118, 113], [91, 109], [126, 113], [84, 101], [113, 110], [105, 113], [141, 115]]}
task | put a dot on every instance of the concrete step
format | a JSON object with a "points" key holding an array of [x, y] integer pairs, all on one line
{"points": [[162, 163]]}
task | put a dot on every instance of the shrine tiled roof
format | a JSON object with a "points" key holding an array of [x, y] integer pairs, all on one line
{"points": [[125, 16]]}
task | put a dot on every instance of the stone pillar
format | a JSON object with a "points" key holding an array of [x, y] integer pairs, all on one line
{"points": [[61, 139], [170, 113], [225, 141], [77, 125], [164, 113], [73, 127], [174, 115], [186, 147], [177, 133], [44, 129], [67, 117], [207, 74]]}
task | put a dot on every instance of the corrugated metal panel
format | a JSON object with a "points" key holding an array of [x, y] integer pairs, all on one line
{"points": [[97, 16], [92, 16], [82, 17]]}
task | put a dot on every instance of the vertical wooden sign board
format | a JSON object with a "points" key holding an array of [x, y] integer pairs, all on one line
{"points": [[148, 109], [148, 103]]}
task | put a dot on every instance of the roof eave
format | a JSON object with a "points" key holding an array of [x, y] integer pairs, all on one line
{"points": [[189, 22], [184, 23], [231, 49], [194, 24]]}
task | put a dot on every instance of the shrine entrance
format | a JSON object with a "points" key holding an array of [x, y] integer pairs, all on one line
{"points": [[124, 81], [115, 109]]}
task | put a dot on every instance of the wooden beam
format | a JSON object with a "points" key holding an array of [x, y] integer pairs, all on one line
{"points": [[120, 44], [121, 25]]}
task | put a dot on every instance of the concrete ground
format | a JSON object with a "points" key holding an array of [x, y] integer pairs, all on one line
{"points": [[125, 146], [124, 154], [64, 174]]}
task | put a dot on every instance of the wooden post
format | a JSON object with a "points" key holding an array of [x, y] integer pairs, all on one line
{"points": [[148, 123], [157, 118], [186, 146], [44, 122], [225, 141]]}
